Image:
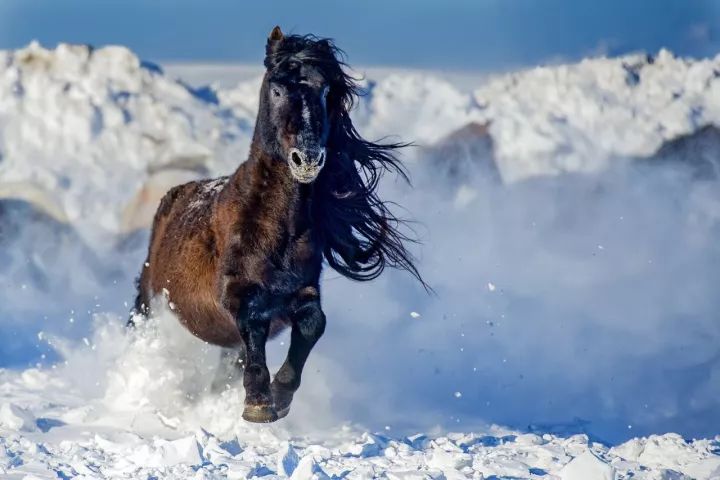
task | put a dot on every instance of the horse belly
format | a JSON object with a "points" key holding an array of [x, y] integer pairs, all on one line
{"points": [[213, 324], [192, 294], [210, 323]]}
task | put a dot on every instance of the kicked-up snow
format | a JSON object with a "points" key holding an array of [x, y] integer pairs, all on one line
{"points": [[573, 331], [140, 406]]}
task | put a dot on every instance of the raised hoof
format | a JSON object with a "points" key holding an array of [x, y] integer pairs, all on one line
{"points": [[259, 414], [283, 413], [283, 399]]}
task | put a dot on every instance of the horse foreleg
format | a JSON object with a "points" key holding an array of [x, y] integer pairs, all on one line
{"points": [[253, 322], [308, 325], [256, 379]]}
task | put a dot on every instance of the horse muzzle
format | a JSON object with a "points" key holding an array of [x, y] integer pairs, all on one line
{"points": [[306, 165]]}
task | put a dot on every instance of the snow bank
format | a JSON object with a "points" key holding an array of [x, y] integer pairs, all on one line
{"points": [[578, 117], [74, 118], [86, 124], [567, 118]]}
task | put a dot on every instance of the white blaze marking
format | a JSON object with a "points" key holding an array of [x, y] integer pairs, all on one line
{"points": [[306, 114]]}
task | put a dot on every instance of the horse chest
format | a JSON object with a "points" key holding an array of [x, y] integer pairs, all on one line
{"points": [[295, 267]]}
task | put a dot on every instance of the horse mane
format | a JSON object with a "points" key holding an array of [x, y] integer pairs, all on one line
{"points": [[361, 236]]}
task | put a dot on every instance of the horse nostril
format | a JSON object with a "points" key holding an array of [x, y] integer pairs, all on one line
{"points": [[295, 156]]}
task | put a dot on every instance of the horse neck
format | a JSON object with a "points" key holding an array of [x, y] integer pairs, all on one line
{"points": [[269, 196]]}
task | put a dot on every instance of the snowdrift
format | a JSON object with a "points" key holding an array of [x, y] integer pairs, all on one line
{"points": [[573, 253]]}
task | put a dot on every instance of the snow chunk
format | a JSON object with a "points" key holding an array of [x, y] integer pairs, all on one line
{"points": [[288, 460], [168, 453], [308, 469], [443, 460], [587, 467], [17, 418]]}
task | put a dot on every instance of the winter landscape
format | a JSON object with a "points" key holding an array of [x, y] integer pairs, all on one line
{"points": [[569, 218]]}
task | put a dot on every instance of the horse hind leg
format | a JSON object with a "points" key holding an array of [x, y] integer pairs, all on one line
{"points": [[141, 306], [230, 370]]}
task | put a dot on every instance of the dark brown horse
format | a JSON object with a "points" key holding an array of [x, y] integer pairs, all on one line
{"points": [[240, 257]]}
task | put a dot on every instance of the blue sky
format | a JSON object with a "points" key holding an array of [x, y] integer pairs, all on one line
{"points": [[457, 34]]}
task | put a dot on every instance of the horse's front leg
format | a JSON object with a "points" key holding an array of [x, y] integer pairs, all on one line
{"points": [[308, 325], [253, 322]]}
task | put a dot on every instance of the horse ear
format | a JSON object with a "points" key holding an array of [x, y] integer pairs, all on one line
{"points": [[276, 36]]}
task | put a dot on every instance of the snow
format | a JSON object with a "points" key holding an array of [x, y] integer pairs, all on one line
{"points": [[587, 466], [78, 113], [574, 300], [577, 117]]}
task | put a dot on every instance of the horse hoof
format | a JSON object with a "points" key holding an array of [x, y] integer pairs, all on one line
{"points": [[282, 413], [282, 399], [259, 414]]}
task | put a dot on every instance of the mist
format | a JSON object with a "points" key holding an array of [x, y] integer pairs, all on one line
{"points": [[576, 302]]}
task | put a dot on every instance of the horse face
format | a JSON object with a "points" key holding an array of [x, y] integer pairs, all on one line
{"points": [[296, 95]]}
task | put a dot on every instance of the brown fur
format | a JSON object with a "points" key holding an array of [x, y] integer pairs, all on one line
{"points": [[239, 258], [193, 231]]}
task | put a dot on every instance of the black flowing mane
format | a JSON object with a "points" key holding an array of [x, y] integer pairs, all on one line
{"points": [[361, 236]]}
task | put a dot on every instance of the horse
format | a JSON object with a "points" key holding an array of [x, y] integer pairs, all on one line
{"points": [[239, 258]]}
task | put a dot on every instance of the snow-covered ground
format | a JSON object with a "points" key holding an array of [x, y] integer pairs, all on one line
{"points": [[573, 329]]}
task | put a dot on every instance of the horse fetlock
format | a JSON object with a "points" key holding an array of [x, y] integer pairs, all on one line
{"points": [[256, 377]]}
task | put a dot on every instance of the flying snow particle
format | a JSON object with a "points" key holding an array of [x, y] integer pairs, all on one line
{"points": [[458, 394], [491, 286], [414, 314]]}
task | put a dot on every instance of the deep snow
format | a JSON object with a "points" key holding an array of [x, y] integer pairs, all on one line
{"points": [[577, 297]]}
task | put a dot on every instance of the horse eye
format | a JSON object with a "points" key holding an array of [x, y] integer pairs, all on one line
{"points": [[276, 92]]}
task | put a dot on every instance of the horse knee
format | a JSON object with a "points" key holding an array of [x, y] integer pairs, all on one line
{"points": [[311, 323]]}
